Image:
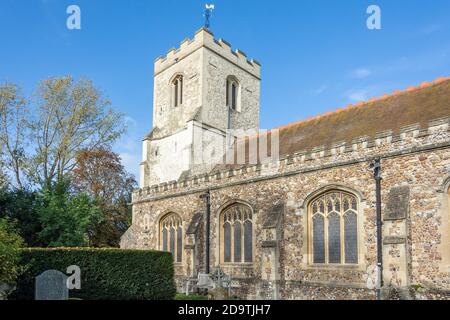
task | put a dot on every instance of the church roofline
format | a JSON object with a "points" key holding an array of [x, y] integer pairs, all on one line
{"points": [[369, 102], [374, 120], [418, 132]]}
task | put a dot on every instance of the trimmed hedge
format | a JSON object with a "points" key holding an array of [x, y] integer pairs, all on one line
{"points": [[106, 274]]}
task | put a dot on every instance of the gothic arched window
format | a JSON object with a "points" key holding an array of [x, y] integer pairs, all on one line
{"points": [[171, 235], [177, 91], [333, 221], [236, 235], [232, 93]]}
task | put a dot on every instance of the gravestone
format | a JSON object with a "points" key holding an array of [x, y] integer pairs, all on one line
{"points": [[5, 290], [51, 285]]}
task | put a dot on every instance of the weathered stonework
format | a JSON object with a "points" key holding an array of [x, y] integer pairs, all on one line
{"points": [[415, 161], [191, 137], [422, 163]]}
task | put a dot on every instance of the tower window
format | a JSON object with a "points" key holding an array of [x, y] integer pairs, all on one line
{"points": [[232, 94], [177, 91]]}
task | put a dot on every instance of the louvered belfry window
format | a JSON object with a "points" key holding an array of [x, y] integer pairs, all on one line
{"points": [[232, 94], [177, 91]]}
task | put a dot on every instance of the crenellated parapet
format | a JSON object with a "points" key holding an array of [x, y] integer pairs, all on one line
{"points": [[205, 39], [387, 143]]}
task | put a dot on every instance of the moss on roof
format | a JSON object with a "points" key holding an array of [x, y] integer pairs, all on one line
{"points": [[416, 105]]}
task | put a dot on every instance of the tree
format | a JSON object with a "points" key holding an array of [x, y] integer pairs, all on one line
{"points": [[20, 206], [101, 174], [71, 116], [65, 117], [13, 131], [39, 143], [10, 244], [67, 220], [3, 178]]}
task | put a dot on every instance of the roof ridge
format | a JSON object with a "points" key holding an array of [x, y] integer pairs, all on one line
{"points": [[351, 106]]}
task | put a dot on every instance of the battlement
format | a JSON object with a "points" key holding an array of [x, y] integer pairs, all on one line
{"points": [[385, 143], [205, 39]]}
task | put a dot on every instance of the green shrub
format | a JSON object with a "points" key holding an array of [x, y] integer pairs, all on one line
{"points": [[10, 243], [106, 274], [66, 218]]}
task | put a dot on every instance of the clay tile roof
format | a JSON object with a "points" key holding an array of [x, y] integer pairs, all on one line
{"points": [[415, 105], [421, 104]]}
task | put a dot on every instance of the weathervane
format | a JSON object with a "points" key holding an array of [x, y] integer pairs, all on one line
{"points": [[208, 11]]}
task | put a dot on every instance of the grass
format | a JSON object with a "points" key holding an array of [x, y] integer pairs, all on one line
{"points": [[181, 296]]}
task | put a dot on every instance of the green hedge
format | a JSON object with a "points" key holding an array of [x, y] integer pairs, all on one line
{"points": [[106, 274]]}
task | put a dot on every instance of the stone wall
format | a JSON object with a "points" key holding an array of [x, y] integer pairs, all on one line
{"points": [[181, 133], [205, 64], [167, 118], [215, 112], [417, 158]]}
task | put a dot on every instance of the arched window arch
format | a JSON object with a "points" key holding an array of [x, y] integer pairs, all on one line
{"points": [[171, 235], [177, 90], [236, 234], [333, 228], [233, 94]]}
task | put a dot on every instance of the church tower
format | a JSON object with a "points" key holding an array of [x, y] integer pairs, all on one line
{"points": [[202, 90]]}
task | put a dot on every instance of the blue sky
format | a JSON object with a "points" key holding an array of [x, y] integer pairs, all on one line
{"points": [[316, 55]]}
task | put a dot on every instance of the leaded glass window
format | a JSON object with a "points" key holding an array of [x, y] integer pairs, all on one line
{"points": [[248, 236], [351, 243], [318, 239], [227, 241], [334, 238], [164, 234], [179, 244], [237, 241], [172, 241], [334, 231], [171, 236], [236, 234]]}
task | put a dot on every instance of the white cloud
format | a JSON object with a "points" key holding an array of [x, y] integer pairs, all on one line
{"points": [[130, 121], [361, 73], [320, 90], [358, 95]]}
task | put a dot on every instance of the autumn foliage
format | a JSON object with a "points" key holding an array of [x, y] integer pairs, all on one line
{"points": [[100, 174]]}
